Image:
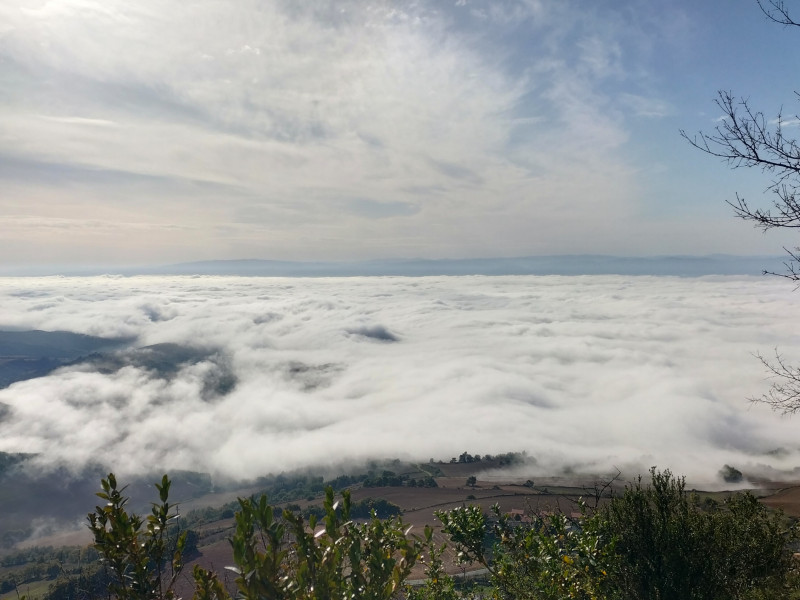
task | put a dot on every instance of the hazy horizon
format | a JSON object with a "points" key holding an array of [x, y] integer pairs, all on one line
{"points": [[547, 264]]}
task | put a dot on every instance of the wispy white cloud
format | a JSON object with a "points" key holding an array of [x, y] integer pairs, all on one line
{"points": [[790, 122], [642, 106], [78, 121], [294, 107]]}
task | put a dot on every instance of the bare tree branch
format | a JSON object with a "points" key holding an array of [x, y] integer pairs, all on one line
{"points": [[784, 394], [744, 137], [776, 11]]}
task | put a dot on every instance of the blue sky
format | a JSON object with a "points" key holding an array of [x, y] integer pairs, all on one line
{"points": [[143, 132]]}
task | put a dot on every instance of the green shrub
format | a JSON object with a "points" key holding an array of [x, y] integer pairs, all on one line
{"points": [[549, 559], [277, 555], [141, 559], [669, 547], [438, 584]]}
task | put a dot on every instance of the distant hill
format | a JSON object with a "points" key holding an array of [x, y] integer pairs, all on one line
{"points": [[682, 266], [577, 264], [51, 344], [29, 354]]}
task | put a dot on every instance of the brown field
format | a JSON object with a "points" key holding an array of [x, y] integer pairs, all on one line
{"points": [[786, 499]]}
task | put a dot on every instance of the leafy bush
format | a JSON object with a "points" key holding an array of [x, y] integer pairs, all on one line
{"points": [[654, 542], [141, 559], [277, 555], [340, 560], [438, 584], [671, 548], [550, 559]]}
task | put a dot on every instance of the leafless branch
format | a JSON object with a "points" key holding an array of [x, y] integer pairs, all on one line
{"points": [[792, 266], [745, 138], [784, 393], [776, 11], [603, 488]]}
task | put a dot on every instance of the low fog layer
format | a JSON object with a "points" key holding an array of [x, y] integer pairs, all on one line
{"points": [[241, 377]]}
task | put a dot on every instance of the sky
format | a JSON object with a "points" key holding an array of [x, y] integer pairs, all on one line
{"points": [[142, 132], [584, 373]]}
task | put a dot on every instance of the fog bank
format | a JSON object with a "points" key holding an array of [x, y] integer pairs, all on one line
{"points": [[241, 377]]}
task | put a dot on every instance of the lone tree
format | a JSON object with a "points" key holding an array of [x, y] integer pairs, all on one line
{"points": [[747, 138]]}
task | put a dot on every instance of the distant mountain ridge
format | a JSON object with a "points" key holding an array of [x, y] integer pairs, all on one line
{"points": [[686, 266], [577, 264]]}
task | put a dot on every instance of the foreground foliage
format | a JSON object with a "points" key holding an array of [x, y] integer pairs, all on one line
{"points": [[138, 554], [551, 558], [654, 541], [342, 559], [671, 548], [277, 554]]}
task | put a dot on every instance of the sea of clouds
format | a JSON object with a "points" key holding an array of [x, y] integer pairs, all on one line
{"points": [[583, 373]]}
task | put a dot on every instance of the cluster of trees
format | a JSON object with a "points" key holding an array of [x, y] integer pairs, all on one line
{"points": [[289, 487], [504, 459], [363, 509], [391, 479], [654, 541], [466, 457], [286, 487], [31, 572], [43, 563], [42, 554]]}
